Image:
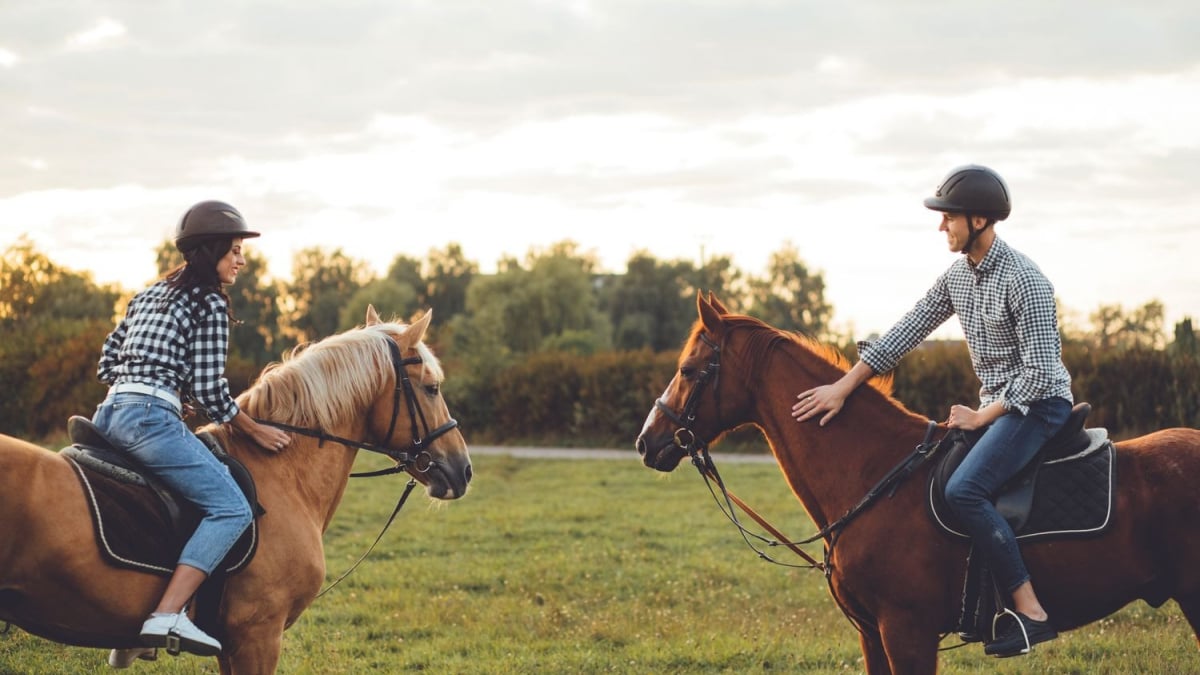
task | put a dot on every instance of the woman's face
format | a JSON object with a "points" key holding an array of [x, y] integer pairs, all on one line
{"points": [[228, 266]]}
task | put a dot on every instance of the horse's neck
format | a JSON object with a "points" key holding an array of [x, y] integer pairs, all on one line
{"points": [[830, 468], [312, 474]]}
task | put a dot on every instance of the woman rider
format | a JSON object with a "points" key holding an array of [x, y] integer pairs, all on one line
{"points": [[171, 346]]}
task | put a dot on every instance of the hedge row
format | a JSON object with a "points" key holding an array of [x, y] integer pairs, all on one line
{"points": [[603, 399]]}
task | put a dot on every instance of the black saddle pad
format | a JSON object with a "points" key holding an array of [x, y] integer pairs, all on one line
{"points": [[135, 529], [1072, 496]]}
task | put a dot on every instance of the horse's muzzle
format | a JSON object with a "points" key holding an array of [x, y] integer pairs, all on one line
{"points": [[448, 479]]}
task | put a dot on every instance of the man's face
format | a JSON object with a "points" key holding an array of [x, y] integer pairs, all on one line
{"points": [[956, 229]]}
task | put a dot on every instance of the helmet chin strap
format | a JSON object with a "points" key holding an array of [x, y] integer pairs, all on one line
{"points": [[973, 233]]}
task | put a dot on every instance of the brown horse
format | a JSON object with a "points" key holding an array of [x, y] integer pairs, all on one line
{"points": [[891, 570], [355, 387]]}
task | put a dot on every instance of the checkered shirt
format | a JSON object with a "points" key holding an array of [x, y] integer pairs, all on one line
{"points": [[175, 340], [1007, 310]]}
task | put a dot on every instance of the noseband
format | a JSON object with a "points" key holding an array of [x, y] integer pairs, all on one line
{"points": [[413, 456], [685, 437]]}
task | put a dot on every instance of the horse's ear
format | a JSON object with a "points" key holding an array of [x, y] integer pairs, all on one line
{"points": [[416, 330], [372, 316], [717, 304], [710, 316]]}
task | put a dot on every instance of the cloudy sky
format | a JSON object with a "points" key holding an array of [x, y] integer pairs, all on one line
{"points": [[684, 129]]}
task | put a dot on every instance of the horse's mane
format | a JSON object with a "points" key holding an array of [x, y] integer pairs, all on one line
{"points": [[324, 384], [763, 338]]}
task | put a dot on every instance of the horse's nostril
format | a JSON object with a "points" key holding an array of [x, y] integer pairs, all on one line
{"points": [[468, 473], [641, 447]]}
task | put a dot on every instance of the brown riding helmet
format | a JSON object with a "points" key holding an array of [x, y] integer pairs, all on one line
{"points": [[209, 220]]}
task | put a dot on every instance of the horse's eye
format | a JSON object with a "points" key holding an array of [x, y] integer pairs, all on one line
{"points": [[432, 389], [687, 372]]}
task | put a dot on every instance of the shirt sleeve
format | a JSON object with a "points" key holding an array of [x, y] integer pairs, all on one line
{"points": [[930, 312], [210, 347], [1032, 300], [110, 354]]}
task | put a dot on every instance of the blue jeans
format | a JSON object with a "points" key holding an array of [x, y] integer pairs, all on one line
{"points": [[1003, 450], [151, 431]]}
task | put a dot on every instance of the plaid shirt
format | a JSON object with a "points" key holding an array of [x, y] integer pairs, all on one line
{"points": [[1007, 311], [175, 340]]}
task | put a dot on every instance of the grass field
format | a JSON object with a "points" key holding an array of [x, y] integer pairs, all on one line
{"points": [[598, 566]]}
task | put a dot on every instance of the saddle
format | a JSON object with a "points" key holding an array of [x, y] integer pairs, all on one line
{"points": [[139, 522], [1067, 490]]}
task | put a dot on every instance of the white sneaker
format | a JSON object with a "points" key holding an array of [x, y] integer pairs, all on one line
{"points": [[123, 658], [176, 633]]}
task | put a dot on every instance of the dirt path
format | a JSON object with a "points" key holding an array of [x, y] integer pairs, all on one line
{"points": [[629, 455]]}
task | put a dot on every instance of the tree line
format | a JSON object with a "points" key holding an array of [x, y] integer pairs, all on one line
{"points": [[548, 349]]}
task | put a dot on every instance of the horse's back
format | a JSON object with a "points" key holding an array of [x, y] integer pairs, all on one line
{"points": [[24, 466], [39, 493], [1156, 479], [1175, 449], [48, 563]]}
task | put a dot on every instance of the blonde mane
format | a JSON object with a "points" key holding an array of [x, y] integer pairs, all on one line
{"points": [[324, 384]]}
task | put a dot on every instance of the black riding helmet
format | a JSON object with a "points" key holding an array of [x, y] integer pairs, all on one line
{"points": [[208, 220], [974, 190]]}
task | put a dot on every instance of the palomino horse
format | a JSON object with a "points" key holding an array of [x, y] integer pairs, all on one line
{"points": [[352, 389], [890, 569]]}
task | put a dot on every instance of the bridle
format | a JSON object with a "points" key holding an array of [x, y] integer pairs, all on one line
{"points": [[413, 456], [685, 438]]}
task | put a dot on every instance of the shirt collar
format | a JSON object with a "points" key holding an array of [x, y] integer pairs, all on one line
{"points": [[997, 252]]}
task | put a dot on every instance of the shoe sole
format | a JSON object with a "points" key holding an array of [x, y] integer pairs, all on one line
{"points": [[1023, 650], [174, 644]]}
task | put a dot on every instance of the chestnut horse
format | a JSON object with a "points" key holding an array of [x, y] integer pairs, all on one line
{"points": [[891, 570], [356, 388]]}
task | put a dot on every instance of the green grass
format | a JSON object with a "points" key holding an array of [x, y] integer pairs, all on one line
{"points": [[594, 566]]}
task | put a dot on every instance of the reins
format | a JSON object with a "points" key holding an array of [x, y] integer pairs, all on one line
{"points": [[685, 439], [412, 482], [703, 462]]}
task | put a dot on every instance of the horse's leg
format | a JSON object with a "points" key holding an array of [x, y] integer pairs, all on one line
{"points": [[253, 635], [874, 657], [267, 597], [1191, 610], [911, 647], [254, 651]]}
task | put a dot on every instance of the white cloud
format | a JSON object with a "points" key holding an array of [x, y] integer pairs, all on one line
{"points": [[105, 31], [663, 125]]}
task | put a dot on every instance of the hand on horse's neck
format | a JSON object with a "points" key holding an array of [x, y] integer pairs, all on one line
{"points": [[830, 468]]}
